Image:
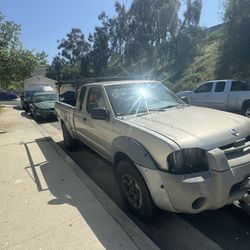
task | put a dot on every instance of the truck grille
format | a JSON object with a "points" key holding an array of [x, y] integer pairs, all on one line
{"points": [[238, 152]]}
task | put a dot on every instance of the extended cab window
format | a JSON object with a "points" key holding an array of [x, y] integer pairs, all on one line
{"points": [[95, 99], [205, 88], [239, 86], [220, 87], [81, 98]]}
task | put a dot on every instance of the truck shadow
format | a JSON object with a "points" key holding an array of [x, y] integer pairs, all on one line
{"points": [[229, 227], [54, 176]]}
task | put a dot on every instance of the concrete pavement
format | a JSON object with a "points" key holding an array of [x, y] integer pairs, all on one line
{"points": [[46, 204]]}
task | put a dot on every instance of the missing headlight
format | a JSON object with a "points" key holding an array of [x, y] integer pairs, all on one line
{"points": [[187, 161]]}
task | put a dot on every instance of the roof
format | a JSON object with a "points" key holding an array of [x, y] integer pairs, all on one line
{"points": [[109, 83], [39, 77], [45, 93]]}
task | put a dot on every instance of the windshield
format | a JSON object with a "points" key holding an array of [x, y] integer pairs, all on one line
{"points": [[30, 93], [45, 98], [128, 99]]}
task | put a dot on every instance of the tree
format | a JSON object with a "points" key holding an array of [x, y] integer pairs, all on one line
{"points": [[73, 58], [16, 63], [74, 47], [9, 34], [187, 37], [148, 35], [235, 53], [141, 31], [118, 32], [56, 67]]}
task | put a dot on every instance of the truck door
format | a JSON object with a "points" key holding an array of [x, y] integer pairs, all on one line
{"points": [[202, 96], [219, 95], [97, 132]]}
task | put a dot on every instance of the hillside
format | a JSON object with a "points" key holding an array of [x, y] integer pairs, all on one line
{"points": [[203, 67]]}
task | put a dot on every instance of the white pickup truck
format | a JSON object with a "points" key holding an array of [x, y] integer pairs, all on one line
{"points": [[165, 153], [227, 95]]}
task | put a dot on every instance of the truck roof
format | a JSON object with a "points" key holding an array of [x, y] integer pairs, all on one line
{"points": [[45, 93], [108, 83], [223, 80]]}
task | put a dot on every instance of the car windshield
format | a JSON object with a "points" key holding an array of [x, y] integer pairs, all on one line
{"points": [[128, 99], [45, 98], [30, 93]]}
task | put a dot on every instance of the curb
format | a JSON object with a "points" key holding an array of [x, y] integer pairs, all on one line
{"points": [[140, 239]]}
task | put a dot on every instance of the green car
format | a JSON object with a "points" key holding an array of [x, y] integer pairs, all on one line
{"points": [[42, 105]]}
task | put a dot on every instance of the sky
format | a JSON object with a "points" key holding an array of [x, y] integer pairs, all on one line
{"points": [[44, 22]]}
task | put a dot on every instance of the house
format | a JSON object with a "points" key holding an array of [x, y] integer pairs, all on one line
{"points": [[39, 81]]}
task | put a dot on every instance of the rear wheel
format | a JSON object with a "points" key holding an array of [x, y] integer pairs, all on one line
{"points": [[135, 191], [69, 142]]}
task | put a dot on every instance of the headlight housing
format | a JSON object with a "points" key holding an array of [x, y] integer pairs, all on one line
{"points": [[187, 161]]}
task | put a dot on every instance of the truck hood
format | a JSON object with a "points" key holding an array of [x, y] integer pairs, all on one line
{"points": [[194, 126], [46, 105]]}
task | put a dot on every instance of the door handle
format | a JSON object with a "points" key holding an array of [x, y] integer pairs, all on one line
{"points": [[84, 119]]}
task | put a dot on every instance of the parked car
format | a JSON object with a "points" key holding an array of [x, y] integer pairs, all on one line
{"points": [[165, 153], [42, 105], [27, 95], [5, 96], [228, 95]]}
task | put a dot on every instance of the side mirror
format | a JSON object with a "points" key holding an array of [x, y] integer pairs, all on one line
{"points": [[99, 114], [184, 99]]}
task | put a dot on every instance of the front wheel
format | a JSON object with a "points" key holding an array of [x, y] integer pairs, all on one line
{"points": [[135, 191], [69, 142], [36, 117], [246, 110]]}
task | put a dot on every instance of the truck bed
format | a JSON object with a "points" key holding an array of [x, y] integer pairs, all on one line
{"points": [[65, 112]]}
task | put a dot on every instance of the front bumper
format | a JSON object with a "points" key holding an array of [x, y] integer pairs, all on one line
{"points": [[208, 190], [46, 114], [197, 192]]}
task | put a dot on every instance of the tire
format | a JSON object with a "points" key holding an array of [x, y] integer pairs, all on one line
{"points": [[69, 142], [36, 117], [246, 110], [135, 191]]}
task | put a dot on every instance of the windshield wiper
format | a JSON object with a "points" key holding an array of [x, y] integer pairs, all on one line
{"points": [[164, 108]]}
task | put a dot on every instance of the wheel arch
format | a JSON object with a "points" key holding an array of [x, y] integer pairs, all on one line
{"points": [[146, 166], [63, 123], [245, 103], [128, 148]]}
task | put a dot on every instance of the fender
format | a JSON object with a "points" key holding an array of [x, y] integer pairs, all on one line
{"points": [[146, 165], [134, 150]]}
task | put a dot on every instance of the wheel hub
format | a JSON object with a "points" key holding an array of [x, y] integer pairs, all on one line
{"points": [[132, 191]]}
